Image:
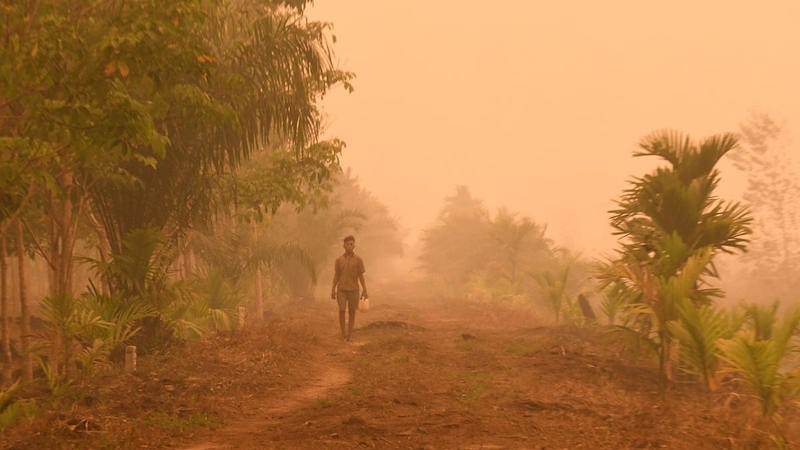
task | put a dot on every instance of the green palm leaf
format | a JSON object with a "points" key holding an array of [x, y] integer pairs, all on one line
{"points": [[764, 363], [670, 226], [756, 362], [699, 331]]}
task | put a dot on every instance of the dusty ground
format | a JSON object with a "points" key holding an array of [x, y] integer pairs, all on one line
{"points": [[424, 375]]}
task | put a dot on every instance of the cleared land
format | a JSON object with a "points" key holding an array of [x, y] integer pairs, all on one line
{"points": [[421, 375]]}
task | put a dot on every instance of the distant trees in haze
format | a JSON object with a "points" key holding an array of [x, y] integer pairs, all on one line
{"points": [[348, 209], [468, 253], [457, 245], [773, 194]]}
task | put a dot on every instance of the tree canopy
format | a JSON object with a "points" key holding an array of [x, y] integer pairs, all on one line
{"points": [[128, 112]]}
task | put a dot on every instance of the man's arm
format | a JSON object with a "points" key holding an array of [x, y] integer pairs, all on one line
{"points": [[361, 279], [363, 285]]}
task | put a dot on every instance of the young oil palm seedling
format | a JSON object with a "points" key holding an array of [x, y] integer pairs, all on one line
{"points": [[554, 289], [699, 330], [81, 333], [68, 323], [12, 408], [140, 287], [765, 356]]}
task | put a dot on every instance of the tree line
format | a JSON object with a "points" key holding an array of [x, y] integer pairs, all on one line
{"points": [[149, 145]]}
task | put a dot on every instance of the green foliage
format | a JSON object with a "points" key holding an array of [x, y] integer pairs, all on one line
{"points": [[484, 285], [152, 104], [554, 288], [516, 242], [145, 297], [140, 288], [238, 250], [67, 324], [765, 356], [673, 210], [123, 317], [12, 409], [58, 385], [129, 116], [469, 253], [699, 331], [670, 227], [22, 168], [216, 298], [761, 319], [456, 245], [319, 229], [7, 394], [622, 281], [139, 271], [255, 76], [273, 178], [85, 331]]}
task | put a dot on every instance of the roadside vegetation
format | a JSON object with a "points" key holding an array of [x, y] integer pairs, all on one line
{"points": [[144, 150], [658, 291]]}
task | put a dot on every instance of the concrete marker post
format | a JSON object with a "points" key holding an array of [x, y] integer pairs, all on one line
{"points": [[242, 312], [130, 358]]}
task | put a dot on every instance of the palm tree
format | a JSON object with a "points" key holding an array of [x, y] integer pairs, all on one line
{"points": [[262, 68], [515, 238], [699, 332], [762, 355], [554, 289], [670, 226], [457, 244]]}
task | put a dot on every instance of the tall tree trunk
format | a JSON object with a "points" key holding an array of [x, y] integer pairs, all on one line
{"points": [[103, 249], [27, 365], [6, 332], [62, 228], [259, 295], [259, 280], [62, 239]]}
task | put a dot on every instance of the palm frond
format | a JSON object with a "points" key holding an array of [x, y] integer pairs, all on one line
{"points": [[761, 357], [756, 362], [698, 331]]}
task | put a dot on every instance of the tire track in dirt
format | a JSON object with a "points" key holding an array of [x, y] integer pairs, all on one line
{"points": [[253, 430]]}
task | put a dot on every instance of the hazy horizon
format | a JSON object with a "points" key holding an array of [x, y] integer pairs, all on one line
{"points": [[537, 107]]}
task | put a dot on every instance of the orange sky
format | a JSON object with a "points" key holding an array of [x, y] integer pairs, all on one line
{"points": [[537, 106]]}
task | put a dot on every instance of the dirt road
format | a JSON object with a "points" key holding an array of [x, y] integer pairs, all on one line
{"points": [[418, 375], [430, 376]]}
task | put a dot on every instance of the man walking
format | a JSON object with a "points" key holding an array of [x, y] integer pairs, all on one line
{"points": [[348, 271]]}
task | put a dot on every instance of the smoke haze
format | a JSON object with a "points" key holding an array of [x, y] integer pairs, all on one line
{"points": [[538, 106]]}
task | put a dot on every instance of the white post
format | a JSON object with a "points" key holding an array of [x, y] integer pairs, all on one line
{"points": [[130, 358], [242, 311]]}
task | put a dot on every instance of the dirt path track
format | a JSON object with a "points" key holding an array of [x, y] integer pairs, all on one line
{"points": [[328, 372], [422, 375], [428, 376]]}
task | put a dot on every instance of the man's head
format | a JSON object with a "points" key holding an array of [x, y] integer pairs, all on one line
{"points": [[349, 244]]}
